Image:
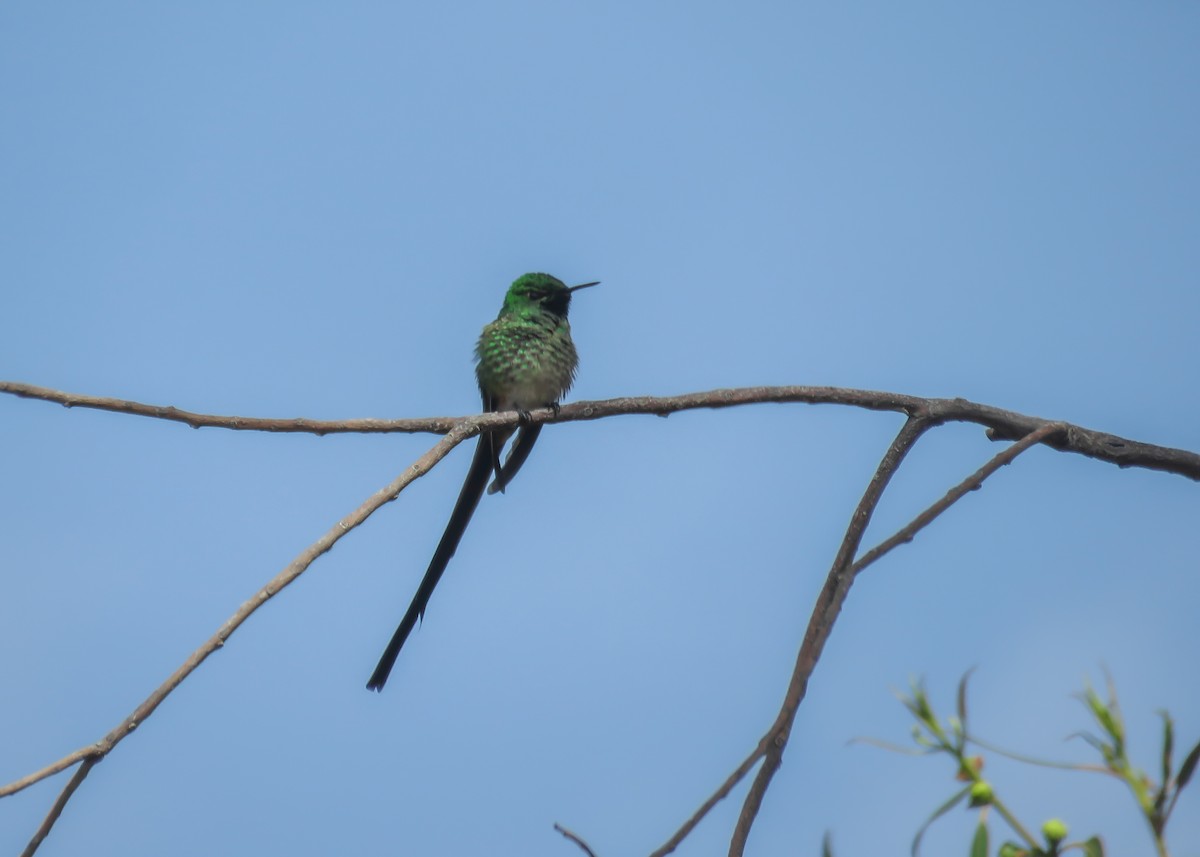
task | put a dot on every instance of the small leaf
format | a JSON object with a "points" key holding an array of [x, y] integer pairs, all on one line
{"points": [[1092, 700], [937, 813], [1093, 847], [1164, 786], [1187, 768], [1107, 715], [962, 698], [1111, 684], [1096, 743], [1167, 750], [920, 704], [1111, 721], [979, 845]]}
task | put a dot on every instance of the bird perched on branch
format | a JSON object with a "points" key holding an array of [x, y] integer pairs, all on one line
{"points": [[525, 360]]}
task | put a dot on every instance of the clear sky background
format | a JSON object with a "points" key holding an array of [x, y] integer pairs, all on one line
{"points": [[310, 209]]}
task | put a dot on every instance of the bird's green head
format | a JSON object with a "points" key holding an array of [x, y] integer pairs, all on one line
{"points": [[540, 293]]}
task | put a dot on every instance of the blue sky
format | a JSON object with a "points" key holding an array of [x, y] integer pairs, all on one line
{"points": [[286, 209]]}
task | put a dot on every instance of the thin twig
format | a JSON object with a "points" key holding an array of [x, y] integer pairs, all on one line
{"points": [[972, 482], [83, 753], [837, 586], [715, 798], [923, 414], [820, 625], [574, 837], [55, 811], [1001, 424], [436, 425], [828, 605], [293, 570], [1031, 760]]}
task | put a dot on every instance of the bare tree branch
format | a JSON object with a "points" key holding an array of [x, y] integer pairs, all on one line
{"points": [[923, 414], [574, 837], [55, 811], [435, 425], [1002, 424], [837, 585], [972, 482], [715, 798], [82, 754], [820, 625]]}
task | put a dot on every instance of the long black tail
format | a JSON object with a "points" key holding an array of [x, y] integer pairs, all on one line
{"points": [[468, 499]]}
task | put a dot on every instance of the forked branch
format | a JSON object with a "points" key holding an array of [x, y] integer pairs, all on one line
{"points": [[769, 749], [922, 413]]}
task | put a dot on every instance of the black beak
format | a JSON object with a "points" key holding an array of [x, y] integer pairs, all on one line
{"points": [[583, 286]]}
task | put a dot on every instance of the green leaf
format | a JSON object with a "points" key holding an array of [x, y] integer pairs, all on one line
{"points": [[1187, 768], [827, 845], [1111, 721], [1095, 742], [920, 703], [1108, 715], [962, 698], [1168, 748], [917, 702], [1092, 700], [1093, 847], [937, 813], [979, 845]]}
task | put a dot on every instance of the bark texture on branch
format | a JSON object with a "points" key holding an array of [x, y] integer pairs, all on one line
{"points": [[1001, 424]]}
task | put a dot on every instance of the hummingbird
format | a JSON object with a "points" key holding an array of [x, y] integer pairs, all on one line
{"points": [[525, 359]]}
